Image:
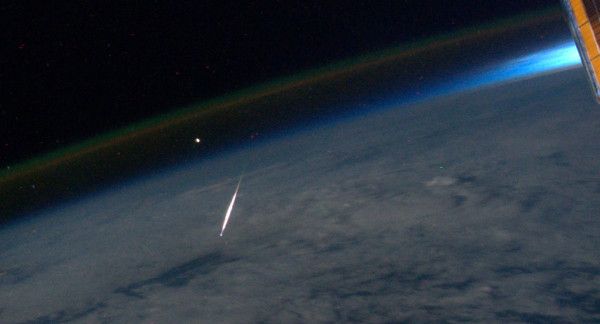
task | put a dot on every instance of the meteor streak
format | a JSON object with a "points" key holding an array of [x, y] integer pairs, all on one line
{"points": [[230, 208]]}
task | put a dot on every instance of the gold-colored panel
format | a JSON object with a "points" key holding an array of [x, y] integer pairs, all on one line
{"points": [[589, 40], [584, 21], [596, 68], [579, 11]]}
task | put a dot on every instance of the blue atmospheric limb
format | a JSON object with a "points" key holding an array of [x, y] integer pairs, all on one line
{"points": [[559, 57], [555, 58]]}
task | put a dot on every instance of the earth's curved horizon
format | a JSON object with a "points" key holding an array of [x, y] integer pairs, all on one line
{"points": [[516, 46], [477, 206]]}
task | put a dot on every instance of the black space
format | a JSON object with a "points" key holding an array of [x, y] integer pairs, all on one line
{"points": [[73, 70]]}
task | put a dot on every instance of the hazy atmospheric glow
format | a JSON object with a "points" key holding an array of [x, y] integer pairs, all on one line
{"points": [[559, 57], [562, 56]]}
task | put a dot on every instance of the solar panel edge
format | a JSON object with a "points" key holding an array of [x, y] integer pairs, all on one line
{"points": [[587, 46]]}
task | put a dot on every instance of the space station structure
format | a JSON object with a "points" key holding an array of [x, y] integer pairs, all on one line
{"points": [[584, 21]]}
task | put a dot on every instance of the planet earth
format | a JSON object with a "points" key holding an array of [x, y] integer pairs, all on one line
{"points": [[475, 206]]}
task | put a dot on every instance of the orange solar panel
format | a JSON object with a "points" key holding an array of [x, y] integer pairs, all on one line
{"points": [[584, 20]]}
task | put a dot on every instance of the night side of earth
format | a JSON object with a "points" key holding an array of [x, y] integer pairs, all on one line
{"points": [[451, 179], [475, 206]]}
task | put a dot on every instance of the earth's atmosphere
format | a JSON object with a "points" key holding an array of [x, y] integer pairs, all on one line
{"points": [[477, 206]]}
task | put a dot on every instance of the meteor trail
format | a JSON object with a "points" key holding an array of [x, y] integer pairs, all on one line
{"points": [[230, 208]]}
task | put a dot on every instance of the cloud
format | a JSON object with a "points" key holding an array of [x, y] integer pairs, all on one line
{"points": [[504, 232], [440, 181]]}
